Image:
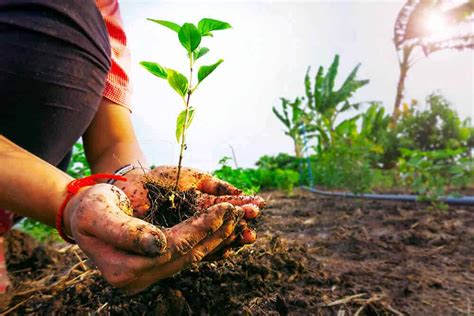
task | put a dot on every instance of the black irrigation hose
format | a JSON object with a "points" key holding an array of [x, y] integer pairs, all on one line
{"points": [[464, 200]]}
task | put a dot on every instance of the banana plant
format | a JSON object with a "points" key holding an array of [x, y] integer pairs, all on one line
{"points": [[190, 36], [325, 102], [375, 123]]}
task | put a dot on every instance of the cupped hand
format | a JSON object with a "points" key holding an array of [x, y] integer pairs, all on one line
{"points": [[210, 190], [133, 254]]}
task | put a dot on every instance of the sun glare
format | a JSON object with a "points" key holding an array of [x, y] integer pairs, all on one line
{"points": [[436, 24]]}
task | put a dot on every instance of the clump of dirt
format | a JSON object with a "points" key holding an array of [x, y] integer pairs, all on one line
{"points": [[169, 207], [314, 255]]}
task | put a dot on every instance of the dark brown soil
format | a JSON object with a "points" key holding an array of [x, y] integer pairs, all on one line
{"points": [[314, 255], [169, 207]]}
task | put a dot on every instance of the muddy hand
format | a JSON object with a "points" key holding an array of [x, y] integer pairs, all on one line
{"points": [[243, 235], [210, 190], [133, 254], [193, 179], [166, 176]]}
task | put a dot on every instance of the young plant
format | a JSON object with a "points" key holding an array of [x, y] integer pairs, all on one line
{"points": [[432, 173], [190, 37]]}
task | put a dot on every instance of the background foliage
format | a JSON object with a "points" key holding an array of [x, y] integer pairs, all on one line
{"points": [[427, 151]]}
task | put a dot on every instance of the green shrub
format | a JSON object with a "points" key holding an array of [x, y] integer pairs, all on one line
{"points": [[436, 127], [384, 180], [280, 161], [253, 180], [431, 173], [283, 161], [277, 179], [346, 164], [241, 178]]}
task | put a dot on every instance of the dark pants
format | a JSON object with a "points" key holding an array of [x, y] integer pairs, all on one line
{"points": [[54, 58]]}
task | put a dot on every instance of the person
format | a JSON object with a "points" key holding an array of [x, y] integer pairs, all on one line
{"points": [[64, 69]]}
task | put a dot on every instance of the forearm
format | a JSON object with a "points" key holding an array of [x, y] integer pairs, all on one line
{"points": [[117, 155], [30, 186], [110, 141]]}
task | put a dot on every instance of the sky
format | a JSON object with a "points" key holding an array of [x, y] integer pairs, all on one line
{"points": [[266, 55]]}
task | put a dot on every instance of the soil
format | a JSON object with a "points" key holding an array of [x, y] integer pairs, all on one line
{"points": [[169, 207], [314, 256]]}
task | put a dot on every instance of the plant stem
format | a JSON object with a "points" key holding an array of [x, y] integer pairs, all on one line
{"points": [[183, 136]]}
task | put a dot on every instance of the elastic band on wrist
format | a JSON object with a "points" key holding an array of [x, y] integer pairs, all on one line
{"points": [[72, 188]]}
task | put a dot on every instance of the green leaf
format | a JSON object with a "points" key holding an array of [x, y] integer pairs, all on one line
{"points": [[180, 126], [284, 120], [205, 71], [178, 82], [307, 86], [200, 52], [332, 73], [347, 126], [155, 69], [206, 26], [297, 112], [189, 36], [283, 117], [318, 88], [171, 25], [350, 86]]}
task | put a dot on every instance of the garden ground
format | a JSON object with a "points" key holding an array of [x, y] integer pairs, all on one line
{"points": [[314, 255]]}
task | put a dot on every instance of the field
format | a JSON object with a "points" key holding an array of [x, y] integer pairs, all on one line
{"points": [[315, 255]]}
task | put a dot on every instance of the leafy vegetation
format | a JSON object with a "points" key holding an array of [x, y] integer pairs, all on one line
{"points": [[293, 116], [428, 151], [436, 127], [431, 173], [190, 37], [318, 116], [325, 103], [253, 180], [346, 164]]}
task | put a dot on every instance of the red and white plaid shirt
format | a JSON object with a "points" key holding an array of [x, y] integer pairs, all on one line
{"points": [[117, 86]]}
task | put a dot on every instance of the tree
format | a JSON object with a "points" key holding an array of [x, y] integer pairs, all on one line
{"points": [[435, 127], [427, 26]]}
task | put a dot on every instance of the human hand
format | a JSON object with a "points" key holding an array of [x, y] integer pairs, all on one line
{"points": [[133, 254], [210, 191]]}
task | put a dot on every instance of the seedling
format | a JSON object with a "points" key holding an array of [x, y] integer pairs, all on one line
{"points": [[190, 38]]}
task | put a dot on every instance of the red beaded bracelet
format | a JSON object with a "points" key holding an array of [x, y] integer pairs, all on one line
{"points": [[72, 188]]}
